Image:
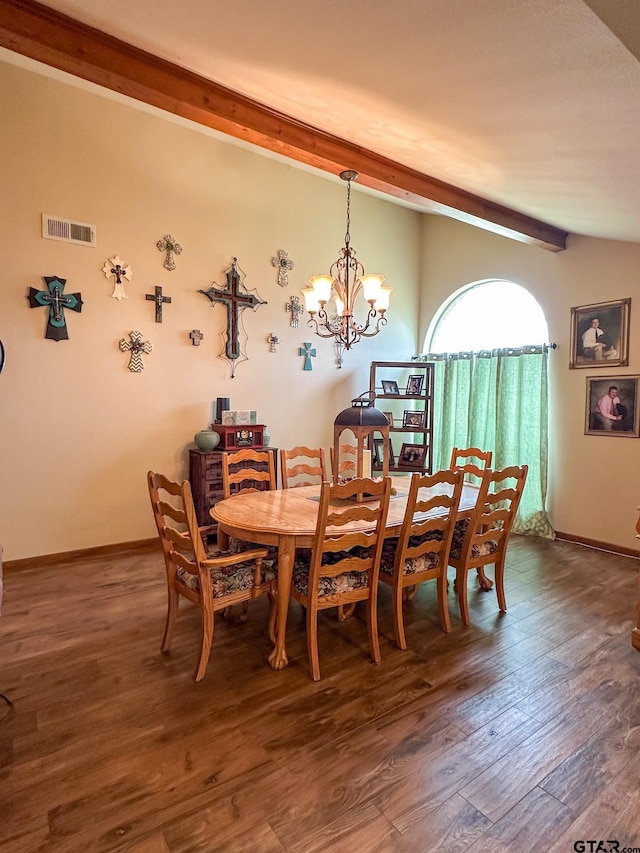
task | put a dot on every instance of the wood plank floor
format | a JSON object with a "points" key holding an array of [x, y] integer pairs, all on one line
{"points": [[520, 733]]}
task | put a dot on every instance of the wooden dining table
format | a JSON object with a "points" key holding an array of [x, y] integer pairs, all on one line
{"points": [[287, 518]]}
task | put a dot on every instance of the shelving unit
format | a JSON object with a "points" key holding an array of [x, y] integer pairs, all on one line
{"points": [[417, 438]]}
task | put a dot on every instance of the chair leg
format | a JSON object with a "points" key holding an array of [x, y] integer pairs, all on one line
{"points": [[207, 640], [273, 617], [461, 589], [443, 604], [173, 599], [398, 616], [346, 611], [312, 640], [499, 576], [372, 624], [484, 582]]}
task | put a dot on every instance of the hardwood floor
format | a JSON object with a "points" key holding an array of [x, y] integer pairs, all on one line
{"points": [[520, 733]]}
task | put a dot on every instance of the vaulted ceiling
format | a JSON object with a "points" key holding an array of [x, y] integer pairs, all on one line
{"points": [[520, 117]]}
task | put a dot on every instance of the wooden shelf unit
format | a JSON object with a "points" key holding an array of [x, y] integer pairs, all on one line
{"points": [[421, 436]]}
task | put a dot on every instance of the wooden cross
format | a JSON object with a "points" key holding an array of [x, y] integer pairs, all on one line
{"points": [[196, 336], [272, 340], [171, 247], [158, 298], [295, 307], [308, 352], [234, 300], [137, 347], [56, 300], [284, 265], [115, 267]]}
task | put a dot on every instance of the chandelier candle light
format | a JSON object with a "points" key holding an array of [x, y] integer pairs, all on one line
{"points": [[345, 281]]}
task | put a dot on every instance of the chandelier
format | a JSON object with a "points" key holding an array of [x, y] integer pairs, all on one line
{"points": [[345, 281]]}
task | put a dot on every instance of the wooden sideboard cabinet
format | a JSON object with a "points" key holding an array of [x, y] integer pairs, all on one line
{"points": [[205, 476]]}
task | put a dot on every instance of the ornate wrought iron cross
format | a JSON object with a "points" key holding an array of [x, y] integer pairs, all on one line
{"points": [[158, 298], [295, 308], [235, 298], [56, 300], [171, 247], [283, 264]]}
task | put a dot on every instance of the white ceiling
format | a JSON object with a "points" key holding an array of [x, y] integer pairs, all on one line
{"points": [[533, 104]]}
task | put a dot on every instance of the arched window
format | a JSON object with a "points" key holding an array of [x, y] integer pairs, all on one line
{"points": [[487, 315]]}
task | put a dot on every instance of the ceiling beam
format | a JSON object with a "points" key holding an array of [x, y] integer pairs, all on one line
{"points": [[41, 33]]}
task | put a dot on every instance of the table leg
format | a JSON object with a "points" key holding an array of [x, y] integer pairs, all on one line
{"points": [[286, 552]]}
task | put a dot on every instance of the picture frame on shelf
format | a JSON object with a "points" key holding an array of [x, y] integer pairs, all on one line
{"points": [[600, 334], [378, 453], [390, 386], [612, 406], [413, 419], [414, 385], [412, 455], [389, 417]]}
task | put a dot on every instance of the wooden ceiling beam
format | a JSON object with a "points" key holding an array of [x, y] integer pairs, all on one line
{"points": [[41, 33]]}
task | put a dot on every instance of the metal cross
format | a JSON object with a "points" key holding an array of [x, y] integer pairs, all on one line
{"points": [[137, 347], [56, 300], [234, 300], [284, 265], [308, 352], [273, 340], [158, 298], [295, 307], [196, 336], [115, 267], [171, 247]]}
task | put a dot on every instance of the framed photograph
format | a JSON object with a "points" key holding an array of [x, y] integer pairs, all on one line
{"points": [[414, 384], [390, 387], [389, 417], [378, 453], [412, 455], [413, 419], [600, 334], [612, 406]]}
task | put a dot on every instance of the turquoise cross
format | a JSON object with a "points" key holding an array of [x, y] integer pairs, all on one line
{"points": [[308, 352]]}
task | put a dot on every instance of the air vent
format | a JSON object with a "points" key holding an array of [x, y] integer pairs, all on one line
{"points": [[54, 228]]}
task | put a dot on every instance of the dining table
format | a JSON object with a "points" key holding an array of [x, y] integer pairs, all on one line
{"points": [[287, 519]]}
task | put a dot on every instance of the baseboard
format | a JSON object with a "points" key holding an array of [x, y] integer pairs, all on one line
{"points": [[82, 554], [599, 546]]}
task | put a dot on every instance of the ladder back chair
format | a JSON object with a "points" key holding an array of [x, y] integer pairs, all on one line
{"points": [[348, 460], [485, 540], [421, 552], [211, 583], [473, 462], [303, 466], [243, 469], [343, 565]]}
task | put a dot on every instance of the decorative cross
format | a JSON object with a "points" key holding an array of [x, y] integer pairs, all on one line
{"points": [[115, 267], [234, 300], [284, 265], [295, 307], [308, 352], [56, 300], [196, 336], [137, 347], [272, 340], [171, 247], [158, 298]]}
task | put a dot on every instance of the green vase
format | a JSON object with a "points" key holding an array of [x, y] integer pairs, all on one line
{"points": [[206, 440]]}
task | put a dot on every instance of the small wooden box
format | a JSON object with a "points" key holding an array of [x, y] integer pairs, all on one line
{"points": [[239, 436]]}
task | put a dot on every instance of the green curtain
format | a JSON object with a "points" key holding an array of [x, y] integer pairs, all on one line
{"points": [[497, 400]]}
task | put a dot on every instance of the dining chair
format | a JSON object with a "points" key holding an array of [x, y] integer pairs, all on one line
{"points": [[348, 454], [342, 566], [485, 539], [211, 582], [303, 466], [472, 461], [420, 553], [242, 471]]}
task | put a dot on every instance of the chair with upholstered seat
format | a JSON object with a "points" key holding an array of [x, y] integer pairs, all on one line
{"points": [[342, 567], [303, 466], [486, 536], [212, 582], [473, 462], [421, 551]]}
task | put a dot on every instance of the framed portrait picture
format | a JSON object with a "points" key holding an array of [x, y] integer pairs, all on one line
{"points": [[414, 384], [413, 419], [378, 453], [390, 387], [600, 334], [389, 417], [412, 455], [612, 406]]}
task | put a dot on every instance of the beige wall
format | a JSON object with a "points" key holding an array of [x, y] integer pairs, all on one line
{"points": [[593, 484], [78, 430]]}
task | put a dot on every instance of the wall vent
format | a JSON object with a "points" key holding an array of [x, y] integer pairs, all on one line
{"points": [[55, 228]]}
